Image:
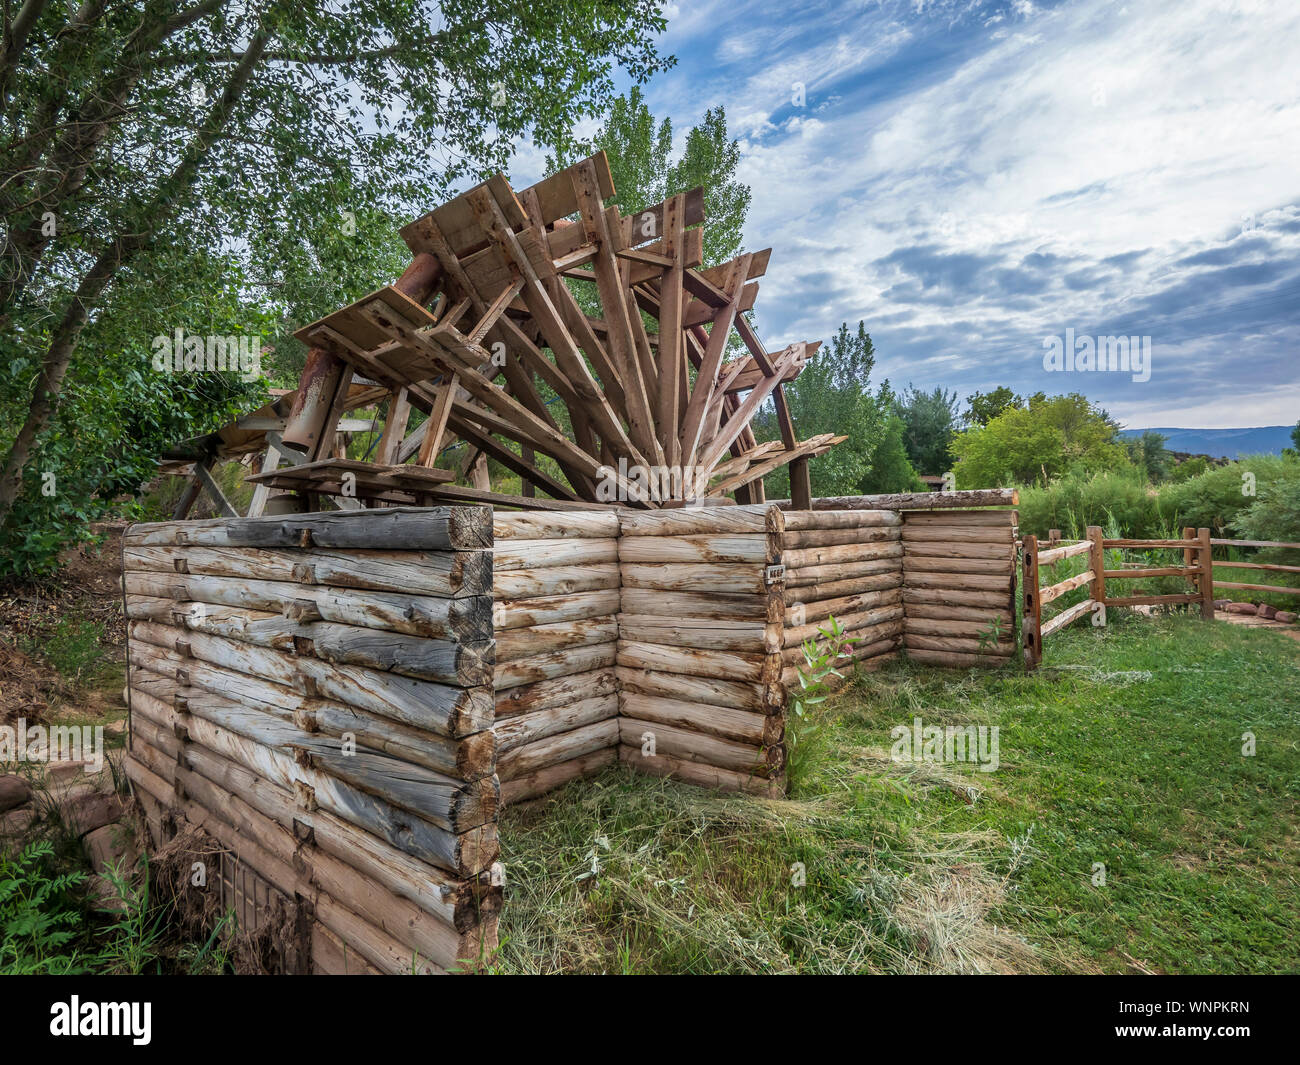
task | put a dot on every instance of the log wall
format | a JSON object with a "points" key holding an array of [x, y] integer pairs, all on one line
{"points": [[344, 700], [959, 574], [556, 617], [701, 629], [315, 693], [847, 564]]}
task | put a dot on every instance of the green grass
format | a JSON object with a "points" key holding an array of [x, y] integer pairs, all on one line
{"points": [[1124, 749]]}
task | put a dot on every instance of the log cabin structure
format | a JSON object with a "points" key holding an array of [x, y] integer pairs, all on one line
{"points": [[341, 703]]}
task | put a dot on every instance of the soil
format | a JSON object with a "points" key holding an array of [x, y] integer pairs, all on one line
{"points": [[87, 588]]}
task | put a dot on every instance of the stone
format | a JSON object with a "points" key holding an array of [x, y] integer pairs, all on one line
{"points": [[14, 791]]}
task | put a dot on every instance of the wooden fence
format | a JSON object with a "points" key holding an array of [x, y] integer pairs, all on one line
{"points": [[1197, 568], [1256, 566]]}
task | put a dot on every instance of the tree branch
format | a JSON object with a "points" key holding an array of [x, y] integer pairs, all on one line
{"points": [[124, 247]]}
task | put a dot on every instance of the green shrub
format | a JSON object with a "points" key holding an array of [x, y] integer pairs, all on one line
{"points": [[1218, 497], [38, 919], [1079, 499]]}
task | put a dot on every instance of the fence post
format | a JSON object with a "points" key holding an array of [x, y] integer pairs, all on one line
{"points": [[1207, 575], [1097, 563], [1031, 624]]}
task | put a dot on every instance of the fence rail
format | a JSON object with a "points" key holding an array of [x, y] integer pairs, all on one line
{"points": [[1197, 570]]}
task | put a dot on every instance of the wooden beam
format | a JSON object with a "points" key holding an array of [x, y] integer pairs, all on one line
{"points": [[436, 423], [671, 358], [203, 473], [707, 379], [399, 414], [613, 301]]}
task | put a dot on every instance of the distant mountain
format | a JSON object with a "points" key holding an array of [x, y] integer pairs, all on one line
{"points": [[1224, 443]]}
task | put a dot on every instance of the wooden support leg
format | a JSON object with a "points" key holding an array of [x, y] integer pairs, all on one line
{"points": [[800, 485], [186, 503], [528, 490]]}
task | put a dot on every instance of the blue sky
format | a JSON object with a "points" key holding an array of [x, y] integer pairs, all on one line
{"points": [[970, 178]]}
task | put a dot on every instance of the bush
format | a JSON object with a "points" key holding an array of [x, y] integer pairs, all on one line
{"points": [[1275, 514], [1218, 497], [1119, 498]]}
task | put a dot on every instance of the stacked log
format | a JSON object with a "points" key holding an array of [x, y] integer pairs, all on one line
{"points": [[556, 618], [314, 692], [846, 564], [700, 634], [959, 586]]}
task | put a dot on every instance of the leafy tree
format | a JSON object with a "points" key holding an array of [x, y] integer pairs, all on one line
{"points": [[891, 470], [983, 407], [133, 126], [832, 395], [929, 420], [1294, 451], [1038, 443], [640, 154], [118, 413], [1148, 453]]}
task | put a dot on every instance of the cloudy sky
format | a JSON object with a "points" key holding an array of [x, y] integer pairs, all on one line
{"points": [[971, 177]]}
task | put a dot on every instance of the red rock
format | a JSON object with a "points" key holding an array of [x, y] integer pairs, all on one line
{"points": [[14, 824], [14, 791], [85, 810]]}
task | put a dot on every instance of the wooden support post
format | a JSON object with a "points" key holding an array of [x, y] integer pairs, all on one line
{"points": [[435, 429], [800, 485], [527, 489], [1191, 555], [1031, 625], [1097, 563], [1207, 574], [203, 471], [192, 490], [399, 413], [270, 463], [475, 470]]}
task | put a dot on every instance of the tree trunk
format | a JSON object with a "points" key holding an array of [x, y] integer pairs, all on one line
{"points": [[66, 335]]}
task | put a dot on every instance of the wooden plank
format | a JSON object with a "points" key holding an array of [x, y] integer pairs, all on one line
{"points": [[1066, 617], [706, 381], [428, 529]]}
